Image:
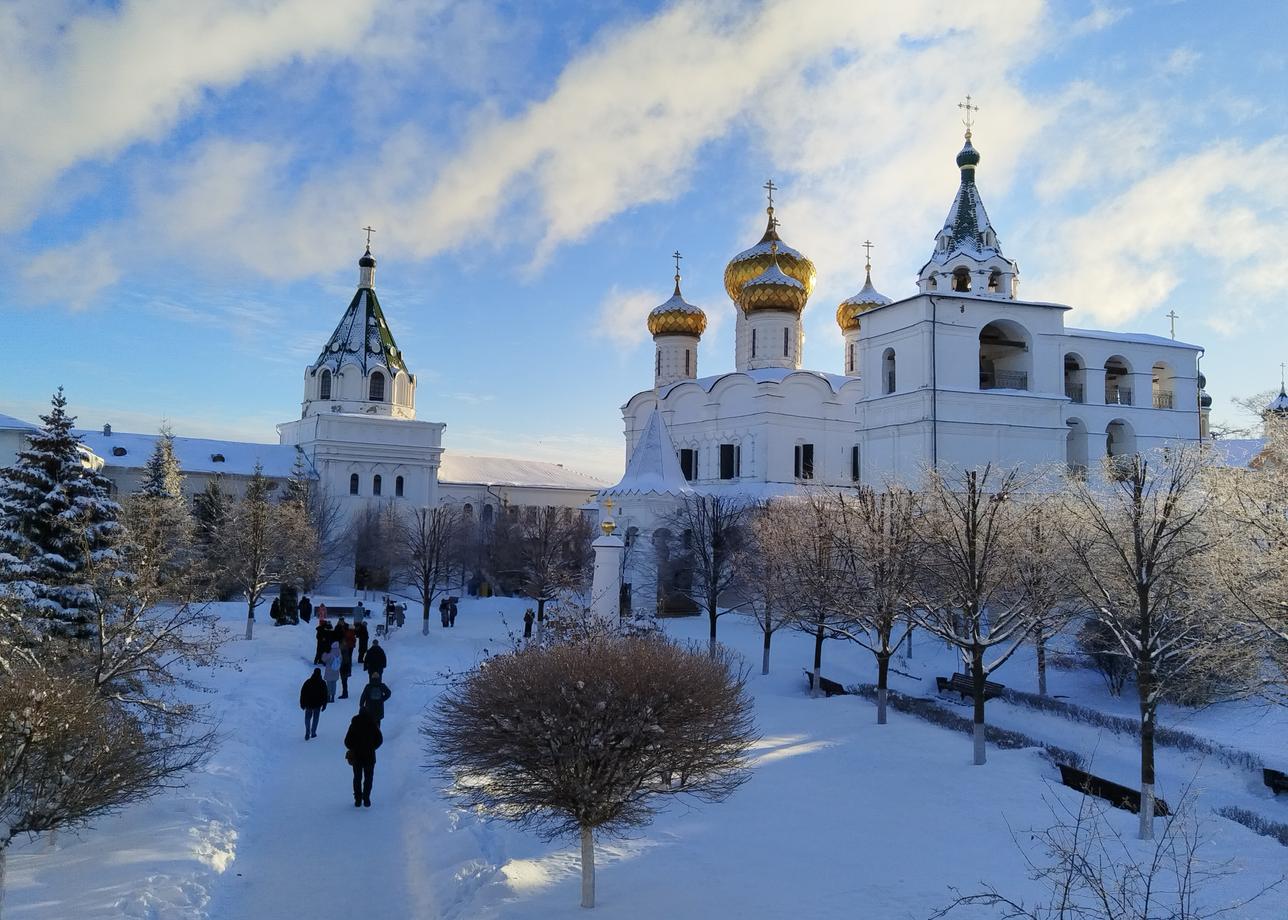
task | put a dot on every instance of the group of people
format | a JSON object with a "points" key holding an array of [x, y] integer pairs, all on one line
{"points": [[335, 650], [447, 611]]}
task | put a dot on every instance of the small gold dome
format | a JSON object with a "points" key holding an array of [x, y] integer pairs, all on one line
{"points": [[751, 262], [848, 313], [773, 289], [677, 316]]}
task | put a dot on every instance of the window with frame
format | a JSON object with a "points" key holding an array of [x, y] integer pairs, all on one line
{"points": [[375, 484], [804, 465], [786, 334], [324, 386], [376, 392], [730, 461], [689, 463], [854, 463], [353, 484], [658, 370], [398, 487], [753, 343], [686, 363]]}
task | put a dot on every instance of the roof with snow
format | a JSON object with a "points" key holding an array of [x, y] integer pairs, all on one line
{"points": [[1279, 405], [362, 337], [1136, 338], [966, 230], [467, 469], [760, 375], [195, 455], [654, 467], [8, 421]]}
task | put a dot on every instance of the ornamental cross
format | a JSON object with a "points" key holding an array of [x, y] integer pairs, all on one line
{"points": [[370, 230], [769, 187], [1172, 315], [966, 107], [867, 246], [676, 255]]}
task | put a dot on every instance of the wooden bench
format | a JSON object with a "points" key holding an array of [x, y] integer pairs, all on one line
{"points": [[1115, 794], [829, 687], [1276, 780], [964, 686]]}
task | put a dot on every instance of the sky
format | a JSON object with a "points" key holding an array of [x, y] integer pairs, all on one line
{"points": [[184, 183]]}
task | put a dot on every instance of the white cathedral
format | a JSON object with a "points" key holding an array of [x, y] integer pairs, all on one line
{"points": [[959, 374]]}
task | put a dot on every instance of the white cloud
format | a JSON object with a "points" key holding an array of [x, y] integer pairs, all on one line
{"points": [[1102, 16], [621, 316], [73, 274]]}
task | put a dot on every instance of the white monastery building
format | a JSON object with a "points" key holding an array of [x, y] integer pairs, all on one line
{"points": [[959, 374]]}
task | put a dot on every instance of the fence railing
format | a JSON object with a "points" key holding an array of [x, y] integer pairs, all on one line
{"points": [[1004, 380], [1163, 399], [1118, 396], [1073, 391]]}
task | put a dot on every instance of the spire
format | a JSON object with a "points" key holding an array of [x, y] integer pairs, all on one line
{"points": [[676, 255], [367, 265], [654, 467]]}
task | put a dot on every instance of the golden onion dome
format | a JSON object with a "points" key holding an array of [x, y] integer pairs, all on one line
{"points": [[773, 289], [751, 262], [848, 313], [677, 316]]}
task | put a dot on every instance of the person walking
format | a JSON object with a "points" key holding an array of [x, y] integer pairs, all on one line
{"points": [[331, 662], [528, 617], [360, 742], [347, 645], [323, 633], [363, 638], [359, 613], [338, 631], [305, 608], [376, 661], [373, 698], [313, 699], [451, 613], [275, 611], [320, 610], [442, 612]]}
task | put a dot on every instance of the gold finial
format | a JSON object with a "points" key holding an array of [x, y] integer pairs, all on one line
{"points": [[676, 255], [608, 525], [867, 246], [370, 230], [969, 120]]}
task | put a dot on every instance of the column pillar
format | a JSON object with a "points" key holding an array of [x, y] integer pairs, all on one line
{"points": [[606, 583]]}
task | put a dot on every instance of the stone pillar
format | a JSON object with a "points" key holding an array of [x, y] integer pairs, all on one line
{"points": [[606, 583]]}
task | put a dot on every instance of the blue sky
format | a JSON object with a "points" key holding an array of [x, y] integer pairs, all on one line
{"points": [[183, 183]]}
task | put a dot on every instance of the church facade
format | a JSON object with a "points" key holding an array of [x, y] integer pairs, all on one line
{"points": [[961, 373]]}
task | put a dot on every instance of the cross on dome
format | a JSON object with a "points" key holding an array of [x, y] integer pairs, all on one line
{"points": [[969, 109], [867, 247], [370, 230]]}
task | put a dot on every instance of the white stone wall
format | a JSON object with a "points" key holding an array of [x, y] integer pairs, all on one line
{"points": [[675, 358]]}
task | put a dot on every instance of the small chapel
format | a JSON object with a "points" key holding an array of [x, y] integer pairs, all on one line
{"points": [[958, 373]]}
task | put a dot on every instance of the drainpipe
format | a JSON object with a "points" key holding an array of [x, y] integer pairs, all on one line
{"points": [[934, 387], [1198, 397]]}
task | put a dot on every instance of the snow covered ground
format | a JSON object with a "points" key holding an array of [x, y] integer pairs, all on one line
{"points": [[841, 818]]}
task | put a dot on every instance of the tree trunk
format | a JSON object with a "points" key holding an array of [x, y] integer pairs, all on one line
{"points": [[4, 854], [977, 682], [817, 689], [711, 647], [883, 679], [250, 617], [1040, 642], [764, 662], [909, 643], [1146, 758], [587, 867]]}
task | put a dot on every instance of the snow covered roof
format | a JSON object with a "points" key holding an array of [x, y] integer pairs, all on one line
{"points": [[508, 471], [8, 421], [1279, 405], [654, 468], [1238, 452], [1136, 338], [762, 375], [362, 337], [195, 455]]}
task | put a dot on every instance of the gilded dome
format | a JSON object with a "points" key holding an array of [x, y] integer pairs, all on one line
{"points": [[752, 262], [773, 289], [848, 313], [677, 316]]}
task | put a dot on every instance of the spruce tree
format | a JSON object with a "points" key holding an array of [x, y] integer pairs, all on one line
{"points": [[158, 519], [56, 520]]}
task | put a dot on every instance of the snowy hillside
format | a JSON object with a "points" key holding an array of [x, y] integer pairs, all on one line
{"points": [[842, 817]]}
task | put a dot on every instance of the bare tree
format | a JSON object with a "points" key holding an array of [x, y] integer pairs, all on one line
{"points": [[1043, 574], [764, 583], [971, 595], [1090, 872], [713, 532], [69, 754], [430, 536], [590, 737], [547, 548], [880, 559], [1141, 542]]}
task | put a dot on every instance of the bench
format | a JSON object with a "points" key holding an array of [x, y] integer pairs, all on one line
{"points": [[964, 686], [829, 687], [1276, 780], [1115, 794]]}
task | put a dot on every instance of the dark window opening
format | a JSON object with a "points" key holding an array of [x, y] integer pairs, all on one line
{"points": [[377, 390], [658, 372], [686, 362], [398, 487], [854, 463], [689, 462], [730, 461], [786, 333], [375, 485], [753, 343], [961, 279], [324, 387], [353, 484], [804, 461]]}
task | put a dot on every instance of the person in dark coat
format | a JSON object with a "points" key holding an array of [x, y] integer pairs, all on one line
{"points": [[451, 613], [360, 742], [442, 612], [313, 700], [306, 608], [363, 637], [346, 669], [373, 698], [339, 630], [323, 633], [376, 660], [275, 610], [528, 617]]}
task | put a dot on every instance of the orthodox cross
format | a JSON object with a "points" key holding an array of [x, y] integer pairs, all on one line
{"points": [[1172, 315], [676, 255], [370, 230], [1281, 376], [867, 246], [966, 107], [769, 187]]}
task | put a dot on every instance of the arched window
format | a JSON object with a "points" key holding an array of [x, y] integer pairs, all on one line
{"points": [[887, 371], [786, 333], [1164, 386], [961, 279], [1118, 382], [849, 358], [1076, 444], [1120, 440], [1075, 377], [398, 487], [1004, 358], [658, 371], [468, 510], [324, 386], [375, 484], [377, 390], [995, 282], [686, 363], [353, 484], [753, 343]]}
